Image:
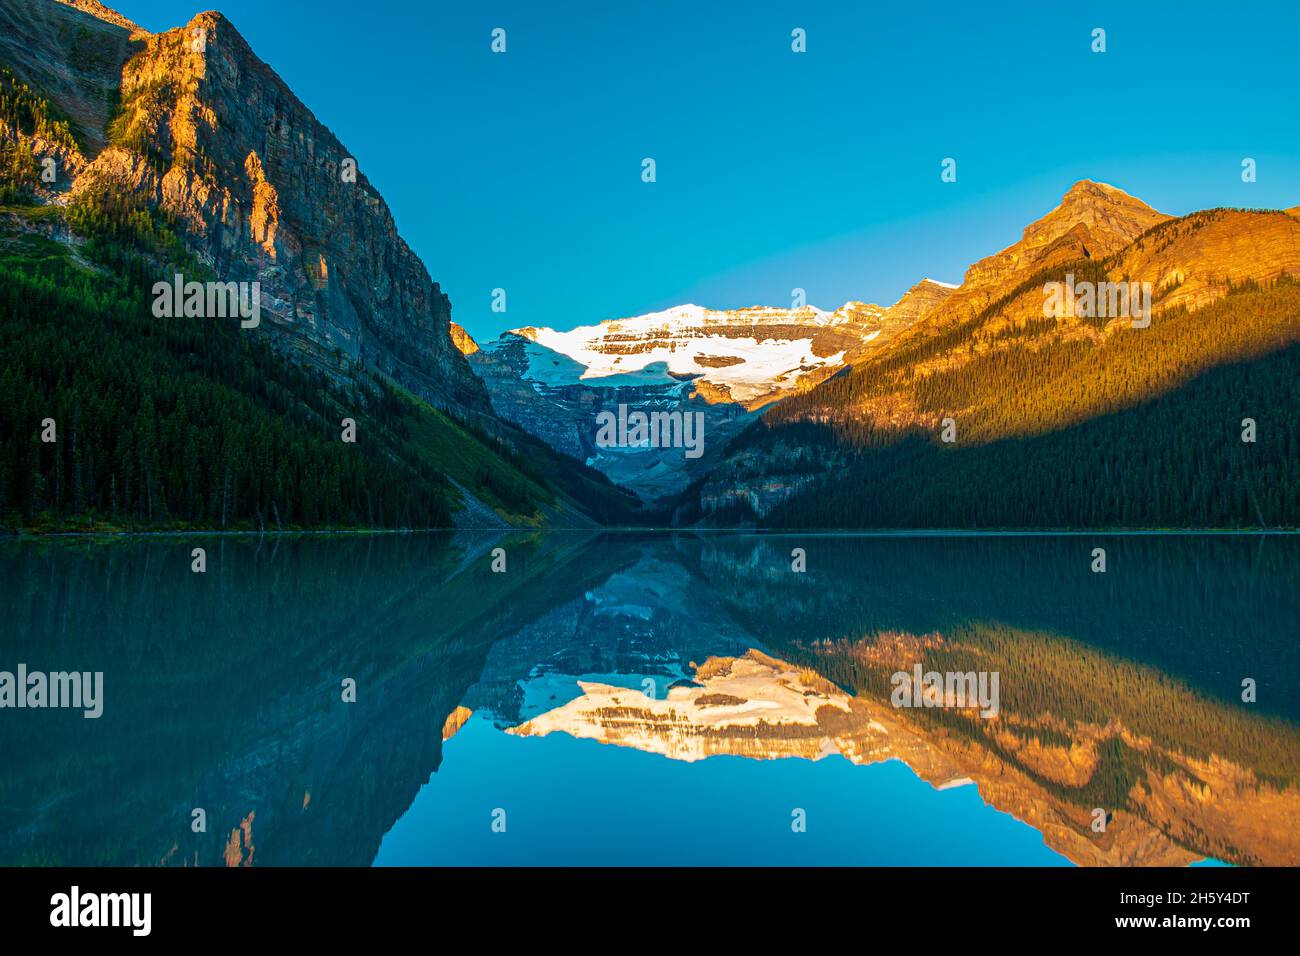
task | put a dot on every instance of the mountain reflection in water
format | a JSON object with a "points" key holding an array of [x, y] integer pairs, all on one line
{"points": [[1118, 691]]}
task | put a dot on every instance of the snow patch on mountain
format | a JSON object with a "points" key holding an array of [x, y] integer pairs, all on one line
{"points": [[749, 353]]}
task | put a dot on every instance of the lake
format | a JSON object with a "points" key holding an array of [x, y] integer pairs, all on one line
{"points": [[656, 698]]}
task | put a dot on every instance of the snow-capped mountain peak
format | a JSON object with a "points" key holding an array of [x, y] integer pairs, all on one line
{"points": [[751, 355]]}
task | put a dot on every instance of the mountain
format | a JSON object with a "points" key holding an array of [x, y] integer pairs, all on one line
{"points": [[265, 192], [1056, 418], [919, 301], [1092, 220], [128, 157], [747, 356], [835, 418], [182, 153], [724, 365], [74, 52], [463, 340], [562, 410]]}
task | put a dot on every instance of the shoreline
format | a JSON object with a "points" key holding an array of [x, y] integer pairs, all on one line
{"points": [[757, 532]]}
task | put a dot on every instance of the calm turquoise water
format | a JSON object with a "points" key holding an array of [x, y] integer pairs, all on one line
{"points": [[618, 805], [471, 740]]}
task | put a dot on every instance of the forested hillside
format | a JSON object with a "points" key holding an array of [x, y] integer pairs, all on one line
{"points": [[112, 418], [993, 411], [184, 423], [1135, 432], [32, 116], [191, 423]]}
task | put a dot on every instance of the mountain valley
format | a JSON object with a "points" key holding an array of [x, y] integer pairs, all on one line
{"points": [[129, 157]]}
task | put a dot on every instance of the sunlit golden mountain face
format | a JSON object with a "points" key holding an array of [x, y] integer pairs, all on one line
{"points": [[1099, 233], [990, 407]]}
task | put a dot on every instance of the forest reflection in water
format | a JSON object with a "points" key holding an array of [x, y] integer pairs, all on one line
{"points": [[1119, 692]]}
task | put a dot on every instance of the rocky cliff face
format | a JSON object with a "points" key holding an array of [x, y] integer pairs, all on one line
{"points": [[463, 340], [182, 152], [73, 51], [1193, 261], [258, 189], [541, 391], [1093, 220], [919, 301]]}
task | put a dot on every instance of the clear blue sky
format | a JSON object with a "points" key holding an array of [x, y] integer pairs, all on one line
{"points": [[775, 170]]}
